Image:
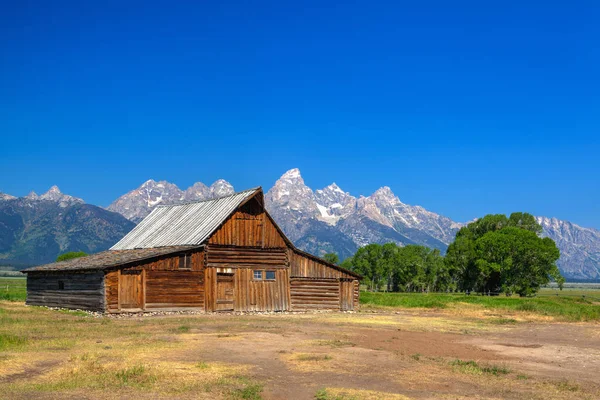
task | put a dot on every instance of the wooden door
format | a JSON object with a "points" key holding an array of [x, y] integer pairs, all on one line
{"points": [[224, 292], [131, 293], [346, 295]]}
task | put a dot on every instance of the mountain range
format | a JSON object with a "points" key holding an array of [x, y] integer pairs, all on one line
{"points": [[319, 221], [35, 229]]}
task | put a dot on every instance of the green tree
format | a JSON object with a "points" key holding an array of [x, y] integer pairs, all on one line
{"points": [[368, 262], [331, 258], [70, 255], [496, 253]]}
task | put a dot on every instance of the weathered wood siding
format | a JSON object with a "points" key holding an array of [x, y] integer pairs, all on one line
{"points": [[210, 289], [249, 294], [346, 295], [249, 227], [83, 291], [315, 294], [261, 295], [245, 257], [356, 294], [307, 267], [111, 285], [165, 285]]}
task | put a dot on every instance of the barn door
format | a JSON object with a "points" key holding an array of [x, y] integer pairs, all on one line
{"points": [[224, 292], [131, 293], [346, 295]]}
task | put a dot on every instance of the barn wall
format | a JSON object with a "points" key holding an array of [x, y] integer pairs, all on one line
{"points": [[165, 286], [240, 257], [83, 291], [356, 294], [251, 295], [315, 294], [306, 267], [248, 227]]}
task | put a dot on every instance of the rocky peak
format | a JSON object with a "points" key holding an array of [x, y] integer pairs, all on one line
{"points": [[32, 196], [198, 191], [333, 194], [291, 192], [221, 188], [336, 202], [4, 196], [385, 196], [138, 203], [292, 174], [54, 194]]}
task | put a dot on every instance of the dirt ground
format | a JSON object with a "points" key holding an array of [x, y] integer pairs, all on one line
{"points": [[369, 355]]}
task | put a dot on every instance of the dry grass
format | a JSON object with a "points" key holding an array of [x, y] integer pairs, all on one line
{"points": [[356, 394], [50, 354], [64, 352]]}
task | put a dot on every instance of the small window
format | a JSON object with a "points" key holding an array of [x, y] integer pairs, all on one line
{"points": [[258, 275], [270, 275], [61, 285], [185, 261]]}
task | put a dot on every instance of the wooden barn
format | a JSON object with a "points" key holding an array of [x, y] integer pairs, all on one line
{"points": [[225, 254]]}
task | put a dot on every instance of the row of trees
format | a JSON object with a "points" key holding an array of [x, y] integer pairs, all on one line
{"points": [[493, 254]]}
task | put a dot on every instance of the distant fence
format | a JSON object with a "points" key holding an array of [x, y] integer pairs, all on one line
{"points": [[13, 288]]}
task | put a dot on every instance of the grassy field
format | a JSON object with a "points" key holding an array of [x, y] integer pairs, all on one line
{"points": [[13, 289], [570, 304], [49, 354], [567, 308]]}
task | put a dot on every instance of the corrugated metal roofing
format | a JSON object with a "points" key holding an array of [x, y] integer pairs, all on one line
{"points": [[109, 258], [182, 224]]}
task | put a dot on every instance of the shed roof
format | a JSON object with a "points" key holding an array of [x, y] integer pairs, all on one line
{"points": [[183, 224], [108, 259]]}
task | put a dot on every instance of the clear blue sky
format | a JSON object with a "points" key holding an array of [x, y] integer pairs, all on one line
{"points": [[465, 108]]}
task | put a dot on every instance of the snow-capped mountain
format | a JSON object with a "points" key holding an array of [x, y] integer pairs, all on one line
{"points": [[331, 219], [579, 247], [35, 229], [63, 200], [379, 218], [4, 196], [138, 203], [53, 194]]}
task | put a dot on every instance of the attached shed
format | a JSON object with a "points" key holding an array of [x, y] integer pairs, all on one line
{"points": [[225, 254]]}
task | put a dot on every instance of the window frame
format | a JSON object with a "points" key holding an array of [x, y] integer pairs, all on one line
{"points": [[186, 260], [270, 279], [262, 275]]}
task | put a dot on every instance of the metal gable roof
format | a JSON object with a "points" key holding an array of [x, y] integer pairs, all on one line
{"points": [[183, 224]]}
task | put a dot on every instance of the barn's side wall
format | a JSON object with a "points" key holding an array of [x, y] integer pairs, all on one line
{"points": [[315, 294], [84, 291], [248, 294], [308, 267], [165, 286], [315, 285]]}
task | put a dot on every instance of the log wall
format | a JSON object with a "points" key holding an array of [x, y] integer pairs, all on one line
{"points": [[83, 291], [315, 294], [165, 285], [239, 257], [249, 294], [249, 227], [307, 267]]}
